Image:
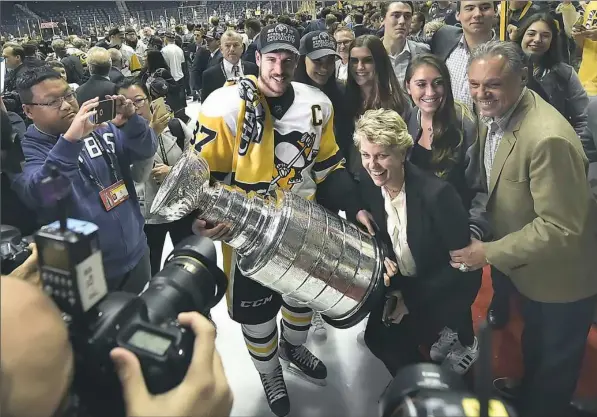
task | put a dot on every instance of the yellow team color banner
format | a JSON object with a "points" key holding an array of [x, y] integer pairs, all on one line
{"points": [[472, 408]]}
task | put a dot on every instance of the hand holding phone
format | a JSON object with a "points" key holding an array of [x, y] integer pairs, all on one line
{"points": [[160, 107], [83, 122], [104, 111]]}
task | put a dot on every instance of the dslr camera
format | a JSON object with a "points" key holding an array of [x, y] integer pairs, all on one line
{"points": [[72, 274], [13, 249], [426, 389]]}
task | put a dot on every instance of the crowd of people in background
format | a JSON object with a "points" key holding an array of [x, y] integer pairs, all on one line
{"points": [[411, 88]]}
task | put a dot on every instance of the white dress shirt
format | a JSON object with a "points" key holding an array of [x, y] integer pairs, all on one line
{"points": [[229, 69], [400, 62], [341, 71], [396, 212]]}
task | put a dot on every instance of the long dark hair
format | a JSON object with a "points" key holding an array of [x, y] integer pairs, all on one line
{"points": [[553, 55], [387, 93], [155, 60], [447, 134]]}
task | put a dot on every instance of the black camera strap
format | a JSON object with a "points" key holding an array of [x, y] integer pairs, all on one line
{"points": [[108, 157], [163, 149]]}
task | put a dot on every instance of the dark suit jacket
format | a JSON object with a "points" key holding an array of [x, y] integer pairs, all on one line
{"points": [[115, 75], [249, 54], [360, 30], [96, 86], [445, 40], [214, 78], [202, 61], [437, 223], [74, 69]]}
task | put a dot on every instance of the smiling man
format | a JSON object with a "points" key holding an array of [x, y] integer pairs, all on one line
{"points": [[266, 134], [454, 44], [398, 17], [543, 219]]}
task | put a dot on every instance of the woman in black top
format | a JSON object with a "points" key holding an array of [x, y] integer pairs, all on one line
{"points": [[540, 41], [316, 67], [443, 130]]}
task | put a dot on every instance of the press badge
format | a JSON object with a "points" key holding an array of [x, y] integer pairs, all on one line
{"points": [[114, 195]]}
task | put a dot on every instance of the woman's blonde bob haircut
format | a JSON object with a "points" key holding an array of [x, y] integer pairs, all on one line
{"points": [[383, 127]]}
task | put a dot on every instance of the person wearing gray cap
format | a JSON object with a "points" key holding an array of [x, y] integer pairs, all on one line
{"points": [[271, 133], [316, 67]]}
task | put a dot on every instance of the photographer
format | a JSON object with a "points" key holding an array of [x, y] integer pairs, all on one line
{"points": [[37, 364], [96, 160], [14, 211]]}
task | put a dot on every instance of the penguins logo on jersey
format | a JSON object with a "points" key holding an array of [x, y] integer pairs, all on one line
{"points": [[293, 153]]}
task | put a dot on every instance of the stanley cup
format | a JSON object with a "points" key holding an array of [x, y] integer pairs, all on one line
{"points": [[291, 245]]}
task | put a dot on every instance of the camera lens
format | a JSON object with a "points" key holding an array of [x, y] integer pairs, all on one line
{"points": [[190, 281]]}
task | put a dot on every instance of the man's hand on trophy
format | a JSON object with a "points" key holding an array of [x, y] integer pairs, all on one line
{"points": [[217, 232], [391, 270], [366, 219]]}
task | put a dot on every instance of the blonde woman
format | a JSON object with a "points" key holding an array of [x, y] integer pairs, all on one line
{"points": [[420, 218]]}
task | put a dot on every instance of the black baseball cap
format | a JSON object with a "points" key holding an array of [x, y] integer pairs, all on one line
{"points": [[278, 37], [170, 35], [114, 32], [130, 30], [318, 44], [213, 34]]}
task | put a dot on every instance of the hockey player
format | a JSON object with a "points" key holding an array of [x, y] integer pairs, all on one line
{"points": [[262, 134]]}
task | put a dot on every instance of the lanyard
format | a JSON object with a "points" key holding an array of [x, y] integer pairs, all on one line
{"points": [[109, 160], [232, 70], [163, 150]]}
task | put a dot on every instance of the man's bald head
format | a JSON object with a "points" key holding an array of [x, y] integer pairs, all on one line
{"points": [[37, 358]]}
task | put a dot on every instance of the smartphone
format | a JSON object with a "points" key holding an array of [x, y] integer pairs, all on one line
{"points": [[105, 111], [160, 107]]}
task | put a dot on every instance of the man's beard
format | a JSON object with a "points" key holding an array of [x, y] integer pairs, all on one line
{"points": [[133, 44]]}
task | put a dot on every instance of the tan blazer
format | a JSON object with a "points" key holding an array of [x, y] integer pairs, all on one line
{"points": [[542, 215]]}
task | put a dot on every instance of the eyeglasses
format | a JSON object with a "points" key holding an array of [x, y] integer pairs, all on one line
{"points": [[57, 103], [139, 102]]}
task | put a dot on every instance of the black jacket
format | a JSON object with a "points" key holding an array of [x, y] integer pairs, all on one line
{"points": [[96, 86], [214, 78], [249, 54], [437, 223], [360, 30], [115, 75], [74, 69], [202, 61]]}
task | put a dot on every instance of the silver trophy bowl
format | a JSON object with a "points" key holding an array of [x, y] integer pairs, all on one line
{"points": [[291, 245]]}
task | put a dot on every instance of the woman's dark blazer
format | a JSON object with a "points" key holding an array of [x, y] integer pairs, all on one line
{"points": [[437, 223]]}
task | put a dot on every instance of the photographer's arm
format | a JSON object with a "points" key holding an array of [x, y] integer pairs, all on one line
{"points": [[28, 270], [204, 392]]}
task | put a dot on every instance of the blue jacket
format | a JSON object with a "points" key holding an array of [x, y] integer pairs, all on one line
{"points": [[121, 235]]}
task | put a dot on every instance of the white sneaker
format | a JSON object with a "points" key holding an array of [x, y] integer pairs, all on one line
{"points": [[461, 358], [318, 326], [441, 348]]}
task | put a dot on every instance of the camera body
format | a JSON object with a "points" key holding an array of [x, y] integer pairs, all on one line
{"points": [[72, 274], [427, 389], [13, 249]]}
